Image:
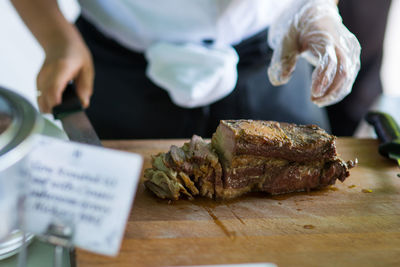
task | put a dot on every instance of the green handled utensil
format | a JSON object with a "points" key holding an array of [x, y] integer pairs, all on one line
{"points": [[388, 132]]}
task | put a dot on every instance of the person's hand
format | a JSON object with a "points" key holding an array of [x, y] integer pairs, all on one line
{"points": [[67, 57], [314, 29], [65, 61]]}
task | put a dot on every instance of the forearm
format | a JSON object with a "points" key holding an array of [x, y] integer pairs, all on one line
{"points": [[46, 22]]}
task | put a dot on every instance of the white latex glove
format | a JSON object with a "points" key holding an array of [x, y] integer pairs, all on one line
{"points": [[314, 29]]}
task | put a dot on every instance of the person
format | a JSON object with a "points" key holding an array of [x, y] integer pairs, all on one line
{"points": [[171, 69]]}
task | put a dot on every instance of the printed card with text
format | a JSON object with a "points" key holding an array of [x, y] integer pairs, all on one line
{"points": [[90, 188]]}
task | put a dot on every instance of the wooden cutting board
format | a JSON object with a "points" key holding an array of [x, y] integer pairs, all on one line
{"points": [[355, 223]]}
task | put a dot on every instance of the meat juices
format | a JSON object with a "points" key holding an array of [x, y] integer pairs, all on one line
{"points": [[249, 156]]}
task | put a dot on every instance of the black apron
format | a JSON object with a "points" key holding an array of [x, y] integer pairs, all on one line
{"points": [[346, 115], [127, 105]]}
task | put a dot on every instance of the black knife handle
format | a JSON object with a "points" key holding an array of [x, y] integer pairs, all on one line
{"points": [[388, 131], [70, 102]]}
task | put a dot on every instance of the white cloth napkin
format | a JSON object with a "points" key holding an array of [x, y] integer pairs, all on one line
{"points": [[193, 75]]}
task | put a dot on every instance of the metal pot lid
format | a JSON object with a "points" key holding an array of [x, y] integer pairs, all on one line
{"points": [[19, 121]]}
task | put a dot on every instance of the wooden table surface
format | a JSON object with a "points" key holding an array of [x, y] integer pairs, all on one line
{"points": [[343, 225]]}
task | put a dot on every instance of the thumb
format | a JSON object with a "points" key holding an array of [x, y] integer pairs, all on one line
{"points": [[84, 85], [283, 61]]}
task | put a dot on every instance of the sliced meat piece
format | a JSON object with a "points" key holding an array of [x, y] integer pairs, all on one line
{"points": [[272, 139], [245, 156], [275, 157], [191, 170]]}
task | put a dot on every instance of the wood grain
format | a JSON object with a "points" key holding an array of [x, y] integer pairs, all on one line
{"points": [[337, 226]]}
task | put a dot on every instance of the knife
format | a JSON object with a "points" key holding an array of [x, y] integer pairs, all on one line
{"points": [[388, 132], [73, 118]]}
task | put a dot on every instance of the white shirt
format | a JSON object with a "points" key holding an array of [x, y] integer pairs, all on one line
{"points": [[137, 24]]}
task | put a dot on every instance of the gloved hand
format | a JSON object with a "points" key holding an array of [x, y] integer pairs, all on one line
{"points": [[314, 29]]}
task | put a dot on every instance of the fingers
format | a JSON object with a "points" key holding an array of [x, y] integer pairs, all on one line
{"points": [[338, 63], [53, 78], [283, 61], [280, 71], [324, 73], [340, 85], [84, 85], [51, 81]]}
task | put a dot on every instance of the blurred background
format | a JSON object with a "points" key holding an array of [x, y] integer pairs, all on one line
{"points": [[21, 56]]}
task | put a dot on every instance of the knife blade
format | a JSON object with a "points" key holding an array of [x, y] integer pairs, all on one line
{"points": [[388, 132], [73, 118]]}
